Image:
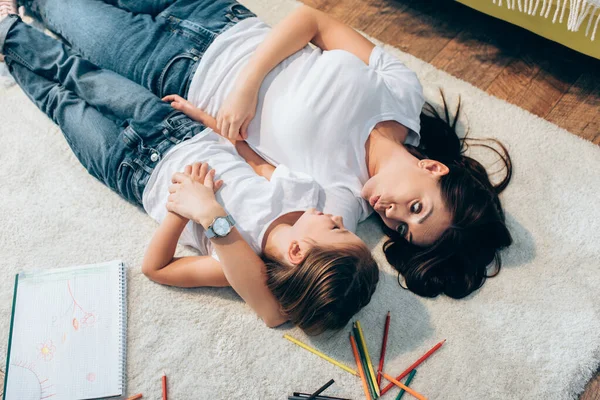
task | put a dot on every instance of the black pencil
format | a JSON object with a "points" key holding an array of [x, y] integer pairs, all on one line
{"points": [[321, 389], [319, 397]]}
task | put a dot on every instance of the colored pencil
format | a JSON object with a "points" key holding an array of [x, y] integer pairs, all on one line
{"points": [[296, 397], [319, 397], [164, 386], [323, 356], [363, 359], [369, 364], [407, 383], [135, 397], [403, 386], [360, 369], [414, 365], [383, 346], [321, 389]]}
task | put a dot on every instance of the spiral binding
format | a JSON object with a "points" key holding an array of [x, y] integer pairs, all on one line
{"points": [[123, 326]]}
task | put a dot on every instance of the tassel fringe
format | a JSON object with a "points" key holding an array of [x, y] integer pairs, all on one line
{"points": [[579, 10]]}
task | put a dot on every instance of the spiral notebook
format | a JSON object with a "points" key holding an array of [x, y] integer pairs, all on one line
{"points": [[68, 334]]}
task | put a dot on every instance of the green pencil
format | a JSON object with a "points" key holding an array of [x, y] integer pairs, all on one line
{"points": [[368, 358], [363, 360], [407, 382]]}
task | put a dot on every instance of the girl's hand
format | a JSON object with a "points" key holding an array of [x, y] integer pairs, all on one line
{"points": [[237, 112], [181, 104], [192, 194]]}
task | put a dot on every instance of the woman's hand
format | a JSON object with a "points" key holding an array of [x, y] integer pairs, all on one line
{"points": [[237, 112], [192, 194]]}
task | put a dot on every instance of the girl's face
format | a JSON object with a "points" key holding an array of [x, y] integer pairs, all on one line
{"points": [[323, 229], [410, 202]]}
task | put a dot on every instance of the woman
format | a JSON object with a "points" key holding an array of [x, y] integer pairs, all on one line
{"points": [[355, 117]]}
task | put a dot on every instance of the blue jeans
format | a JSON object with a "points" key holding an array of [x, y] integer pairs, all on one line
{"points": [[155, 43], [117, 129]]}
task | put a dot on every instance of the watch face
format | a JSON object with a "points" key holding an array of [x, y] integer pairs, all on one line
{"points": [[221, 226]]}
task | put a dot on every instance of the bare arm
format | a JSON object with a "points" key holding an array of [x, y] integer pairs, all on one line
{"points": [[160, 266], [305, 24], [258, 164]]}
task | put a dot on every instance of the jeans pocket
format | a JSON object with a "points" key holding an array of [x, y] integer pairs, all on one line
{"points": [[129, 177], [180, 69], [197, 34], [237, 12]]}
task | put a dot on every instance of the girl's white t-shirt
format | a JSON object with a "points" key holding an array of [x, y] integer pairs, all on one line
{"points": [[253, 201], [315, 109]]}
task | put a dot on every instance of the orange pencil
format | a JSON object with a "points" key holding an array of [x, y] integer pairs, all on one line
{"points": [[135, 397], [403, 386], [413, 366], [360, 369], [164, 386], [383, 346]]}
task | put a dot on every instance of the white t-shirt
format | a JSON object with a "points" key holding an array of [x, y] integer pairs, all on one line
{"points": [[253, 201], [315, 109]]}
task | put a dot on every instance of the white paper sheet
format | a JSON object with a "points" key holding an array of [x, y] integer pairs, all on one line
{"points": [[66, 337]]}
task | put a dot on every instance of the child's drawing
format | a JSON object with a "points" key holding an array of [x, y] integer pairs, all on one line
{"points": [[46, 350], [88, 318], [32, 386]]}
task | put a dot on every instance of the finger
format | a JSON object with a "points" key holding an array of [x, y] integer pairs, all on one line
{"points": [[169, 98], [188, 169], [218, 185], [203, 172], [179, 177], [219, 122], [244, 129], [234, 131], [209, 181], [174, 187], [177, 106], [196, 170], [225, 129]]}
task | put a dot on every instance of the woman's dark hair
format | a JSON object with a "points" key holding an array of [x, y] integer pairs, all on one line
{"points": [[457, 263], [326, 288]]}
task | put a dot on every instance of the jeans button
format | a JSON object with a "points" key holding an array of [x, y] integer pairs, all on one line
{"points": [[154, 157]]}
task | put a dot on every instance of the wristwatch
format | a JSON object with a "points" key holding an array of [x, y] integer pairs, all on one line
{"points": [[220, 227]]}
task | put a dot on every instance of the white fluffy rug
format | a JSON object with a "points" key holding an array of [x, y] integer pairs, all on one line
{"points": [[532, 332]]}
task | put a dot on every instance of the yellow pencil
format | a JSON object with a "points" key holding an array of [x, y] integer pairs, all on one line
{"points": [[370, 366], [401, 386], [331, 360]]}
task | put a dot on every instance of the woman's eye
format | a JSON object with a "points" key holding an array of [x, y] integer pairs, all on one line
{"points": [[416, 208], [402, 229]]}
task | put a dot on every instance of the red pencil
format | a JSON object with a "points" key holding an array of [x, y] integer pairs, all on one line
{"points": [[415, 364], [164, 386], [383, 346]]}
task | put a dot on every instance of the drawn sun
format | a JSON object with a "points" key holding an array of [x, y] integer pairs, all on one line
{"points": [[47, 350]]}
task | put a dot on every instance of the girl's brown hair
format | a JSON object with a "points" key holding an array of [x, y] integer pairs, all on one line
{"points": [[457, 263], [326, 289]]}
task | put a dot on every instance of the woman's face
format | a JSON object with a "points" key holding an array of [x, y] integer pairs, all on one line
{"points": [[410, 202]]}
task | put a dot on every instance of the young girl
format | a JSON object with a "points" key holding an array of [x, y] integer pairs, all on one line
{"points": [[127, 138], [320, 273]]}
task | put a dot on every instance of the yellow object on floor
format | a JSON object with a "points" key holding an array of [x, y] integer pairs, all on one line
{"points": [[584, 20]]}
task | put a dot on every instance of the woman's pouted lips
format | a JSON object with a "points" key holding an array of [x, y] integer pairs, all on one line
{"points": [[373, 200]]}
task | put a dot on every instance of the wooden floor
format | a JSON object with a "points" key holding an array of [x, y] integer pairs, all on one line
{"points": [[543, 77]]}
